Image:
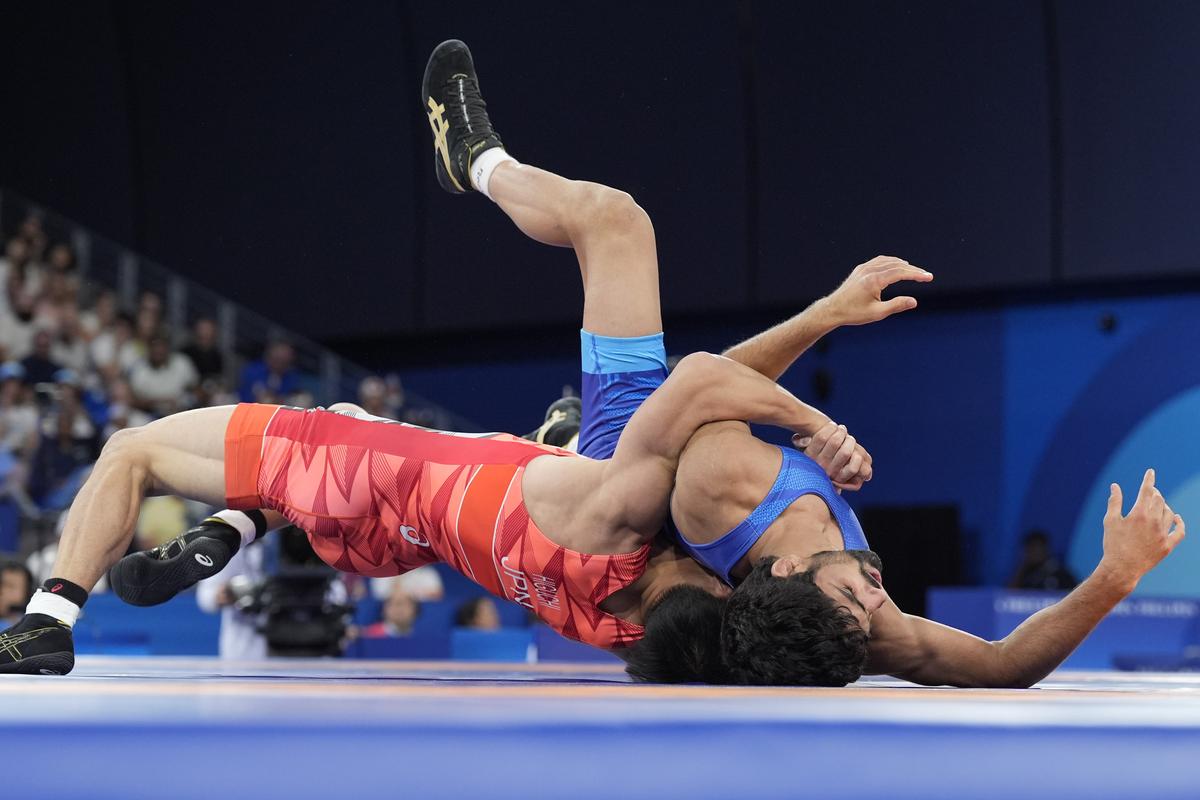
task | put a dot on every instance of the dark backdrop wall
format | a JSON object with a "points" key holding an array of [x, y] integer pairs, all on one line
{"points": [[278, 150]]}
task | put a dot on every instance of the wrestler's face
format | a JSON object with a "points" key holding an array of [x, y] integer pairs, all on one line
{"points": [[852, 578]]}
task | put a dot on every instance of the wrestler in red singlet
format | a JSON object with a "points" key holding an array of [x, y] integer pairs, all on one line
{"points": [[380, 498]]}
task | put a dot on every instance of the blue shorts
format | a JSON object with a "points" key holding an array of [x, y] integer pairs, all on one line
{"points": [[618, 375]]}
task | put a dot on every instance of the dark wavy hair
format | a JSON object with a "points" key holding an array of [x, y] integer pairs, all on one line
{"points": [[682, 643], [787, 632]]}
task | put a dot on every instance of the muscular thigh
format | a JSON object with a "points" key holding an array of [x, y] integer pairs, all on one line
{"points": [[185, 453]]}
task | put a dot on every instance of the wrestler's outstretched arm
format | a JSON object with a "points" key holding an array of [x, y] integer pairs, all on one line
{"points": [[926, 652], [703, 388], [857, 301]]}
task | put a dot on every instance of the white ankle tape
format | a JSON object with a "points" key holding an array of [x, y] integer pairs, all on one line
{"points": [[53, 605], [240, 522], [483, 167]]}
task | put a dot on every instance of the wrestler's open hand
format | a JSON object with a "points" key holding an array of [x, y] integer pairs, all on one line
{"points": [[859, 299], [845, 461], [1134, 544]]}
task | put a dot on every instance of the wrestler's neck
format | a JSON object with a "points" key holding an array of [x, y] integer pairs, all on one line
{"points": [[666, 568]]}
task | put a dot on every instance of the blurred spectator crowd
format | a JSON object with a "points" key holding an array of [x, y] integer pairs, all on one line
{"points": [[76, 365]]}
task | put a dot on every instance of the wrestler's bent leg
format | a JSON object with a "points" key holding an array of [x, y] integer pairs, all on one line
{"points": [[154, 576], [184, 455], [611, 235]]}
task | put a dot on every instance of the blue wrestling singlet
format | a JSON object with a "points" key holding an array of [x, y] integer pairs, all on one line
{"points": [[798, 475], [619, 374]]}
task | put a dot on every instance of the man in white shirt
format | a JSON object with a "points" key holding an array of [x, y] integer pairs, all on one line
{"points": [[162, 379], [240, 638]]}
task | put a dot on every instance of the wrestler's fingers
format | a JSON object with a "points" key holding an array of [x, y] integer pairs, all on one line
{"points": [[842, 457], [852, 468], [907, 272], [1147, 487], [815, 441], [1114, 502], [829, 448], [896, 305], [1176, 536], [881, 263]]}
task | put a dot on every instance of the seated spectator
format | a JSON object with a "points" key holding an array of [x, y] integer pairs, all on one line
{"points": [[423, 583], [150, 306], [18, 414], [100, 316], [1040, 568], [39, 365], [479, 614], [204, 352], [113, 351], [121, 412], [16, 587], [70, 347], [33, 234], [373, 397], [161, 381], [60, 293], [272, 379], [20, 275], [147, 324], [399, 615], [16, 325], [68, 446]]}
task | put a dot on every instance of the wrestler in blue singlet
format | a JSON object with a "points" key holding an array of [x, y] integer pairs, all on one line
{"points": [[619, 374]]}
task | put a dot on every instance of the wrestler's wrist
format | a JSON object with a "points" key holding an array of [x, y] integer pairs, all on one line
{"points": [[1114, 577], [825, 315], [810, 421]]}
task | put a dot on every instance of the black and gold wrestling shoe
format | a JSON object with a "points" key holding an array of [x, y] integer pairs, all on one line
{"points": [[37, 645], [155, 576], [457, 115], [561, 427]]}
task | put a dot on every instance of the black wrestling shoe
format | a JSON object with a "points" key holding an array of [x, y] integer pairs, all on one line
{"points": [[457, 115], [37, 645], [155, 576], [563, 420]]}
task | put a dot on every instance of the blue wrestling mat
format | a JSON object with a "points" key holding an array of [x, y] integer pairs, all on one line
{"points": [[126, 728]]}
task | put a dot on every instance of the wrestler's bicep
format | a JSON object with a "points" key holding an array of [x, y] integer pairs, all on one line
{"points": [[636, 492]]}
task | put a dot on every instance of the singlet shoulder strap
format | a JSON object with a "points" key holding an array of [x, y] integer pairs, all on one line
{"points": [[721, 555], [798, 475]]}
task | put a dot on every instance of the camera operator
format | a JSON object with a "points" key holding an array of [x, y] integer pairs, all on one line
{"points": [[240, 634], [282, 601]]}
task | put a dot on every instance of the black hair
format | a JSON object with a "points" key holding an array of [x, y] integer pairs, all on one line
{"points": [[464, 615], [787, 632], [17, 566], [682, 643]]}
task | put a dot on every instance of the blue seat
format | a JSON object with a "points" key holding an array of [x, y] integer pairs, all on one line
{"points": [[502, 645], [429, 646], [177, 627]]}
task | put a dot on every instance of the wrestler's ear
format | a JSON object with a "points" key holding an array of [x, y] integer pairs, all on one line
{"points": [[718, 588], [786, 566]]}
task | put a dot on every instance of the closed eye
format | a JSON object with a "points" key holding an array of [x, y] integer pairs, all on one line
{"points": [[850, 596]]}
